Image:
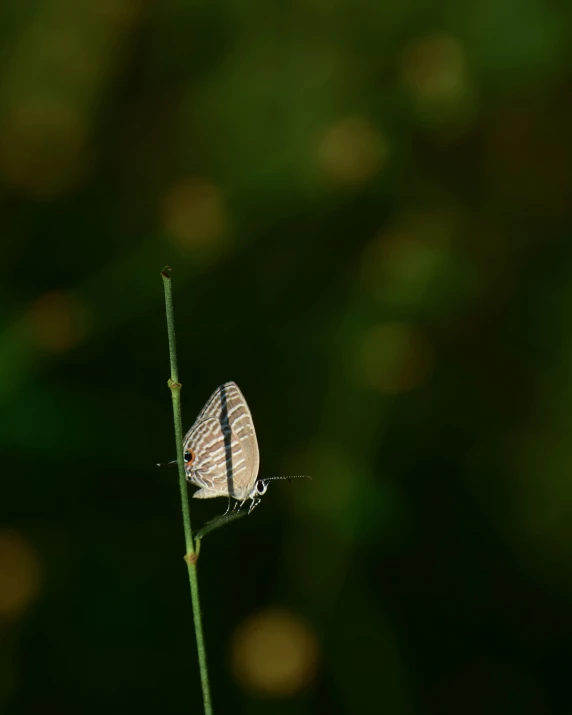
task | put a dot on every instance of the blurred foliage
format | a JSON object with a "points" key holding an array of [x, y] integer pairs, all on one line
{"points": [[368, 210]]}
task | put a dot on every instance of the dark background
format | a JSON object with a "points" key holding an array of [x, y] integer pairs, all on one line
{"points": [[368, 211]]}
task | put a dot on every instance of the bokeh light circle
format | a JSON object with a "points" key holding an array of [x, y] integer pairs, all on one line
{"points": [[20, 573], [395, 357], [274, 653]]}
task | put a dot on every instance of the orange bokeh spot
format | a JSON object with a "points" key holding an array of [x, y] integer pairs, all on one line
{"points": [[527, 156], [20, 573], [194, 213], [44, 147], [274, 653], [57, 321], [396, 357], [352, 151]]}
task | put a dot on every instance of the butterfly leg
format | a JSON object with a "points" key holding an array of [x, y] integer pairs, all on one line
{"points": [[255, 502]]}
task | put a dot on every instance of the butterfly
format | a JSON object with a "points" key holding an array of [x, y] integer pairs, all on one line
{"points": [[221, 450]]}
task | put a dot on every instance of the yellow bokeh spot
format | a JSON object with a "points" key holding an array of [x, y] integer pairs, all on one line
{"points": [[395, 357], [20, 573], [57, 321], [44, 148], [194, 213], [274, 653], [116, 11], [352, 151], [401, 265], [398, 269], [541, 492], [433, 67]]}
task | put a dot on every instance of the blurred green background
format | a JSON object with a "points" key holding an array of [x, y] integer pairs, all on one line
{"points": [[368, 211]]}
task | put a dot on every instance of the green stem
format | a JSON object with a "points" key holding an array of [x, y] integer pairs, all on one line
{"points": [[191, 554]]}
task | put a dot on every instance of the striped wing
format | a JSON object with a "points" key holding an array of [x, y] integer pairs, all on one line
{"points": [[224, 443]]}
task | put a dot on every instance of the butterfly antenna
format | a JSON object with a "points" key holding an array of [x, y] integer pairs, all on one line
{"points": [[294, 476], [166, 464]]}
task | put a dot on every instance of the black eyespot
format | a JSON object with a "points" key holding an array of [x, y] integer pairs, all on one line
{"points": [[189, 456]]}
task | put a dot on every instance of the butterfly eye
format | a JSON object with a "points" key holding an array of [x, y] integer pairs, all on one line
{"points": [[261, 487], [189, 457]]}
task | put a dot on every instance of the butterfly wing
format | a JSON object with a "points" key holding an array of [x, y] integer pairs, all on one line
{"points": [[206, 442], [221, 403], [243, 429], [224, 445]]}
